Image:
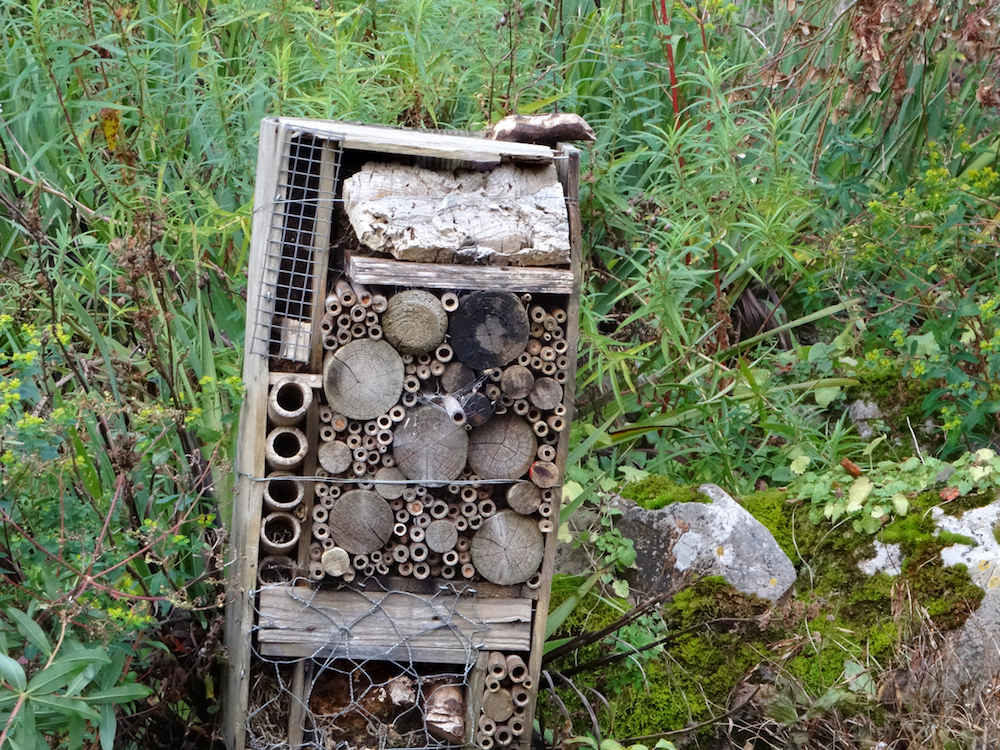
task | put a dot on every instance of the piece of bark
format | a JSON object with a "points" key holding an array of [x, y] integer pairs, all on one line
{"points": [[489, 329], [503, 448], [524, 497], [414, 321], [546, 130], [444, 713], [363, 379], [361, 521], [512, 215], [429, 446], [507, 549]]}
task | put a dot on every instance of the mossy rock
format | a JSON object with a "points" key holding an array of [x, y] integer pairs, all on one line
{"points": [[655, 492]]}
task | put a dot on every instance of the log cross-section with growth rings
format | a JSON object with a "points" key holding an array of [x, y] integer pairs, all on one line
{"points": [[503, 448], [361, 521], [508, 548], [489, 329], [430, 446], [363, 379]]}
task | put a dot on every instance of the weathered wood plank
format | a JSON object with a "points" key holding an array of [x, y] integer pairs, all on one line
{"points": [[442, 628], [310, 380], [439, 276], [568, 167], [248, 495], [465, 147]]}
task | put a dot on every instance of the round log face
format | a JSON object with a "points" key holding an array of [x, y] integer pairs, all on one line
{"points": [[508, 548], [414, 321], [429, 446], [389, 491], [335, 457], [361, 521], [363, 379], [503, 448], [441, 536], [489, 329], [524, 497]]}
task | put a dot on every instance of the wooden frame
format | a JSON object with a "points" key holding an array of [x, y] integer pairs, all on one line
{"points": [[509, 619]]}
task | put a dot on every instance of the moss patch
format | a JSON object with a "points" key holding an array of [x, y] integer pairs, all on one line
{"points": [[657, 492]]}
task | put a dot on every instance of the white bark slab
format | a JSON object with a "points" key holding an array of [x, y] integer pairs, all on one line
{"points": [[513, 215]]}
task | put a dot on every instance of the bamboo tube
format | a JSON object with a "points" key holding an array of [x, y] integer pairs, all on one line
{"points": [[463, 544], [276, 569], [375, 333], [327, 325], [279, 533], [379, 303], [344, 293], [405, 568], [321, 531], [549, 324], [524, 359], [401, 553], [516, 726], [283, 492], [332, 304], [388, 460], [487, 508], [400, 529], [330, 342], [557, 424], [540, 428], [549, 369], [450, 557], [461, 523], [484, 741], [285, 448], [421, 570], [517, 670], [496, 665], [545, 525], [464, 557], [468, 571], [436, 368], [410, 369], [546, 452], [536, 330], [316, 571], [449, 301], [545, 509], [537, 314], [536, 363], [418, 551], [520, 696], [503, 736], [416, 534], [534, 347], [353, 442], [359, 561], [422, 520], [327, 433], [320, 514]]}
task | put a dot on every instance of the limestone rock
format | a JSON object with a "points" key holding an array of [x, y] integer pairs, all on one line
{"points": [[716, 538], [513, 215], [888, 559]]}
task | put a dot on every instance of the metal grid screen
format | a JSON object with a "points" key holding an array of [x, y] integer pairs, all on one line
{"points": [[300, 226]]}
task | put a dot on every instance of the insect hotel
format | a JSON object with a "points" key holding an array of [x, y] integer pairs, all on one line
{"points": [[411, 341]]}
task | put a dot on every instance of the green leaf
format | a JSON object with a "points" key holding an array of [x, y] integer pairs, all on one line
{"points": [[782, 710], [860, 489], [900, 503], [62, 705], [30, 630], [108, 726], [120, 694], [558, 616], [12, 673], [799, 464], [825, 396], [620, 588]]}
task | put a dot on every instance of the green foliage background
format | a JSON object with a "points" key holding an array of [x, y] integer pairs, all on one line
{"points": [[844, 156]]}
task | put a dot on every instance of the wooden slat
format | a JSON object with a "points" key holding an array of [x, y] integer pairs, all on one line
{"points": [[444, 628], [568, 169], [383, 139], [248, 495], [309, 380], [436, 276]]}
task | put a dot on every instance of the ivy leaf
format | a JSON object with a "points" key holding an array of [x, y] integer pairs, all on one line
{"points": [[861, 488], [620, 588]]}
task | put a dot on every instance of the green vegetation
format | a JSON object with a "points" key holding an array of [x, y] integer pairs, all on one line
{"points": [[830, 167]]}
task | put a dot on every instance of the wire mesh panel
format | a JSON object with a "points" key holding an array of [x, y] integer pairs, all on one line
{"points": [[301, 220]]}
